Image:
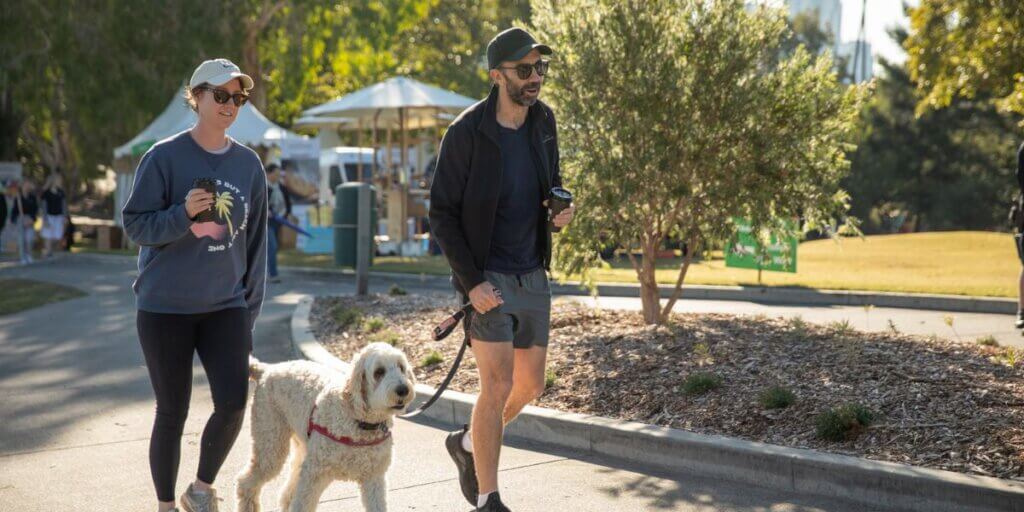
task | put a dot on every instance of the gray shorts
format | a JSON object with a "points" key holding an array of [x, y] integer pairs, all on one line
{"points": [[524, 318]]}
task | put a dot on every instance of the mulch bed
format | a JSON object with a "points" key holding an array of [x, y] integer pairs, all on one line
{"points": [[938, 404]]}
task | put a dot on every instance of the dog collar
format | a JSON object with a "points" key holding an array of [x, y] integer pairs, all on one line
{"points": [[383, 427], [324, 431]]}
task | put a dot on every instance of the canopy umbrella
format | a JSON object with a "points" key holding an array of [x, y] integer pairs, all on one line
{"points": [[399, 103]]}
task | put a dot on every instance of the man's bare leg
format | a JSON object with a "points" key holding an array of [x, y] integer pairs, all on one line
{"points": [[527, 380], [1020, 295], [494, 362]]}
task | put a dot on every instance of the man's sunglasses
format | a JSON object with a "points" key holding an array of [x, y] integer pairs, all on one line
{"points": [[221, 96], [523, 71]]}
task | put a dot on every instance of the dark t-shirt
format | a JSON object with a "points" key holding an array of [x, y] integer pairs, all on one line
{"points": [[27, 206], [514, 245], [1020, 167], [54, 202]]}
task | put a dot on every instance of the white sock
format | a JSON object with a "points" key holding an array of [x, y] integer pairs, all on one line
{"points": [[196, 490], [481, 499], [467, 442]]}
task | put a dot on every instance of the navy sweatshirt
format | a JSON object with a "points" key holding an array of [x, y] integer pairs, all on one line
{"points": [[198, 267]]}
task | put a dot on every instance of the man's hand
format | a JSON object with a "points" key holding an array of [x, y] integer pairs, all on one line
{"points": [[196, 201], [485, 297], [564, 217]]}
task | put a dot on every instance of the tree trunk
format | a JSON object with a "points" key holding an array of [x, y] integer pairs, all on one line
{"points": [[251, 64], [251, 67], [650, 297], [10, 124], [692, 248]]}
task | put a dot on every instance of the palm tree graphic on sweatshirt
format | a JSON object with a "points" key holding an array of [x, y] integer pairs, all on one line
{"points": [[223, 204]]}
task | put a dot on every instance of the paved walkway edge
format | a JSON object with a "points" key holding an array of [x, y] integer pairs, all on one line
{"points": [[761, 294], [871, 483]]}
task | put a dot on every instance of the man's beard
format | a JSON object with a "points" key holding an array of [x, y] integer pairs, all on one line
{"points": [[517, 94]]}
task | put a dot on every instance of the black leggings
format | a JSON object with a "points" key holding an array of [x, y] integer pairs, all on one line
{"points": [[223, 341]]}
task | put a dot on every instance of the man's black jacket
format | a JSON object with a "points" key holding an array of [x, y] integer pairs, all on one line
{"points": [[467, 180]]}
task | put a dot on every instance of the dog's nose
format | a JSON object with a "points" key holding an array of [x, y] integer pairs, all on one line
{"points": [[402, 390]]}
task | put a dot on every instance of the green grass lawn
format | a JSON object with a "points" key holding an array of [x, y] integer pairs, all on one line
{"points": [[955, 263], [22, 294]]}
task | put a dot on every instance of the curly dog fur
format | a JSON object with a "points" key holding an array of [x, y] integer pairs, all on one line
{"points": [[380, 385]]}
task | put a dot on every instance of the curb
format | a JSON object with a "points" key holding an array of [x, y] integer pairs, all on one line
{"points": [[760, 294], [871, 483]]}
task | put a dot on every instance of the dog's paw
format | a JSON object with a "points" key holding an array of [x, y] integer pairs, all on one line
{"points": [[248, 504]]}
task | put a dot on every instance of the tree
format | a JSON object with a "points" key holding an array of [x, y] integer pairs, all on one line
{"points": [[918, 167], [448, 47], [967, 49], [676, 115]]}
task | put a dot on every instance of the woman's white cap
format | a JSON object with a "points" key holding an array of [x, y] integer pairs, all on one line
{"points": [[219, 72]]}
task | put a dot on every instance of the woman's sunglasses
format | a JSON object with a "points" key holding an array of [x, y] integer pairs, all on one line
{"points": [[523, 71], [221, 96]]}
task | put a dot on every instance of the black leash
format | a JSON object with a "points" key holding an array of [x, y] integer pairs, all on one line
{"points": [[441, 332]]}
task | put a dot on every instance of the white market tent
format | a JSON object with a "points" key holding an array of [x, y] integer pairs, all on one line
{"points": [[401, 105], [251, 128]]}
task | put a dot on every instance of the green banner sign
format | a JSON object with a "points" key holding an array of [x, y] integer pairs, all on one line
{"points": [[742, 251], [141, 148]]}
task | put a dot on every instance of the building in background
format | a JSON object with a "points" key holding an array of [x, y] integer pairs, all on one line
{"points": [[859, 64], [829, 13], [857, 54]]}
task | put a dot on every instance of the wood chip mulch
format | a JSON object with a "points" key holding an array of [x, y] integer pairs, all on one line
{"points": [[939, 404]]}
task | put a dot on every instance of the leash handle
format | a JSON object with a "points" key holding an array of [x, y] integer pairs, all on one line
{"points": [[442, 330]]}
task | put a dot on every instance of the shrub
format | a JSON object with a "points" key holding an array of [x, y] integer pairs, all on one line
{"points": [[777, 397], [389, 337], [988, 341], [841, 329], [434, 357], [347, 317], [373, 324], [843, 423], [550, 378], [700, 383]]}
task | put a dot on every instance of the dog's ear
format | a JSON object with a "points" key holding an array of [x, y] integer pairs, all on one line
{"points": [[355, 389], [411, 375]]}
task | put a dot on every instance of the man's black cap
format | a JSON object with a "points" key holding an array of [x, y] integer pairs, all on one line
{"points": [[512, 44]]}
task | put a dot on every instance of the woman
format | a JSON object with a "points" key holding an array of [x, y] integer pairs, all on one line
{"points": [[279, 206], [198, 211], [55, 211], [23, 216]]}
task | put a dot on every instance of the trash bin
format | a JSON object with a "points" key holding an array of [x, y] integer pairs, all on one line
{"points": [[346, 219]]}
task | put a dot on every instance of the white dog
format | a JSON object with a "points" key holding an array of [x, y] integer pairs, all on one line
{"points": [[338, 430]]}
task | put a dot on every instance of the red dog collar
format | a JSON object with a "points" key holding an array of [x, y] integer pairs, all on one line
{"points": [[314, 427]]}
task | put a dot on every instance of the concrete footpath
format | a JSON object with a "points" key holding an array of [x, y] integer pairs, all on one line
{"points": [[76, 411]]}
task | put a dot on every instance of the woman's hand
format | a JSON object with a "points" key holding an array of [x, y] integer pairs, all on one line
{"points": [[196, 201]]}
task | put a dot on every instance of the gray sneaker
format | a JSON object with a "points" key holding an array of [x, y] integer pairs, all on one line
{"points": [[192, 501]]}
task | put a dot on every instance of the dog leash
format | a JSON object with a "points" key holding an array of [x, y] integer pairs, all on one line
{"points": [[440, 332]]}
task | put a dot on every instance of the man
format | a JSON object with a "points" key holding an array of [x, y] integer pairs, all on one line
{"points": [[496, 165], [1017, 218], [280, 206]]}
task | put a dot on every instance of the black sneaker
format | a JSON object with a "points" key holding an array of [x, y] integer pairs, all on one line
{"points": [[493, 504], [1020, 319], [464, 462]]}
